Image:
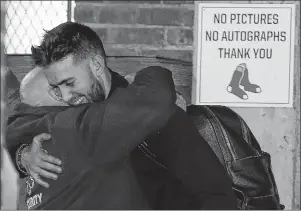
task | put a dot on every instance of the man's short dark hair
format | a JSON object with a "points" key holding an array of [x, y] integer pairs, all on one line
{"points": [[66, 39]]}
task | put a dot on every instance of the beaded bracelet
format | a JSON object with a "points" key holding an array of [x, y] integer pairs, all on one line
{"points": [[18, 158]]}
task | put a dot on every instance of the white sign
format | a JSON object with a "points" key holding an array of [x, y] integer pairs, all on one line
{"points": [[244, 55]]}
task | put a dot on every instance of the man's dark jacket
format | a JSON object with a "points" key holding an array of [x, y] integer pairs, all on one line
{"points": [[191, 178]]}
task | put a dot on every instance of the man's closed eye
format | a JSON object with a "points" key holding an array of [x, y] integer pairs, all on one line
{"points": [[70, 83]]}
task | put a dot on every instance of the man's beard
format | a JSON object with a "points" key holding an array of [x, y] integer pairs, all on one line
{"points": [[96, 92]]}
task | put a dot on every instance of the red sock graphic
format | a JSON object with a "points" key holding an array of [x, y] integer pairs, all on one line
{"points": [[247, 85], [237, 76]]}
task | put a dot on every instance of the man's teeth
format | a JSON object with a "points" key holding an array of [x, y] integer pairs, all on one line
{"points": [[79, 100]]}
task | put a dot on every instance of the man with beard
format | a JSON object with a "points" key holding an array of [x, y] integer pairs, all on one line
{"points": [[191, 176], [97, 172]]}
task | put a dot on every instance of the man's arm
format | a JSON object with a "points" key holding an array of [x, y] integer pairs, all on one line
{"points": [[188, 156], [130, 115]]}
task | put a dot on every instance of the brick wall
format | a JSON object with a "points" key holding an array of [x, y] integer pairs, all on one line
{"points": [[148, 28]]}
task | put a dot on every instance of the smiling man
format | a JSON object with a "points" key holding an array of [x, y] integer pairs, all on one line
{"points": [[75, 86]]}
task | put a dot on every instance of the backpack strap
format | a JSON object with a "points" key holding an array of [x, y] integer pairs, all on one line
{"points": [[210, 128]]}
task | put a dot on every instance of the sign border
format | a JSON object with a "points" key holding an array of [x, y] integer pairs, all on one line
{"points": [[196, 75]]}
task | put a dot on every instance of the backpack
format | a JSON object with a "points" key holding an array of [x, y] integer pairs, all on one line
{"points": [[237, 149]]}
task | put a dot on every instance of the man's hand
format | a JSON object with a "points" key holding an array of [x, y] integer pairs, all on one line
{"points": [[38, 163]]}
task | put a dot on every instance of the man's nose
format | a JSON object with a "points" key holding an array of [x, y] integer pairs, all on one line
{"points": [[66, 95]]}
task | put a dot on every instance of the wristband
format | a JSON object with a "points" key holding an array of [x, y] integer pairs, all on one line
{"points": [[18, 159]]}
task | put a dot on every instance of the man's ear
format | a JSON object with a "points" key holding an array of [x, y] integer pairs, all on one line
{"points": [[97, 65]]}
